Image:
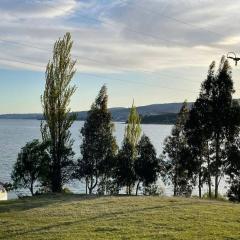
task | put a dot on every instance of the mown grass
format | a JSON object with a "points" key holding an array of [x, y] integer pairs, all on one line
{"points": [[74, 217]]}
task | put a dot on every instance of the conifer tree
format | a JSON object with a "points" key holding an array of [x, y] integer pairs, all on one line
{"points": [[219, 122], [198, 143], [177, 155], [99, 146], [57, 118], [233, 171], [147, 164], [125, 172], [213, 124]]}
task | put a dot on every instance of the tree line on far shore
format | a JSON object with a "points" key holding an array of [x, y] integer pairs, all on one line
{"points": [[203, 147]]}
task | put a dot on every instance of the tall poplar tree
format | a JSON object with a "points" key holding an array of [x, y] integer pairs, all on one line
{"points": [[57, 118], [133, 129]]}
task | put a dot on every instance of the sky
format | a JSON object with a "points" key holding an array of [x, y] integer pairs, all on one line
{"points": [[152, 51]]}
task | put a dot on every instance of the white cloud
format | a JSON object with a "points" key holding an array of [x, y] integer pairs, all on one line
{"points": [[31, 9], [120, 35]]}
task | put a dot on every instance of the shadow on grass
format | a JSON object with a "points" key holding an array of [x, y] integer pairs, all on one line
{"points": [[38, 230], [44, 200], [28, 203]]}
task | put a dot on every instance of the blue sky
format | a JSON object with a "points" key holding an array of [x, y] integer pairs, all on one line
{"points": [[154, 51]]}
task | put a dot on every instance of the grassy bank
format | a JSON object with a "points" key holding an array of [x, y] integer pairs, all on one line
{"points": [[74, 217]]}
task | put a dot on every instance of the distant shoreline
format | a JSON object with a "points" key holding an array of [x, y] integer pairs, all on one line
{"points": [[164, 113], [78, 120]]}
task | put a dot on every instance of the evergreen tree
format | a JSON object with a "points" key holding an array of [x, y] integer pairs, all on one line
{"points": [[197, 138], [58, 120], [219, 119], [233, 171], [177, 155], [125, 172], [31, 165], [99, 146], [147, 163]]}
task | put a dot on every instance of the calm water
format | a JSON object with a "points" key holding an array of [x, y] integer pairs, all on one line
{"points": [[15, 133]]}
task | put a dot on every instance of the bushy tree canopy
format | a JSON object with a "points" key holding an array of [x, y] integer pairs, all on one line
{"points": [[147, 164], [31, 165]]}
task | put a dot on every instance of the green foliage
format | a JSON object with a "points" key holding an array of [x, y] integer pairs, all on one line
{"points": [[125, 172], [233, 171], [31, 165], [177, 155], [8, 186], [55, 101], [153, 190], [98, 147], [197, 138], [146, 164], [165, 118], [234, 191], [217, 121], [125, 169], [66, 191], [133, 129], [108, 186]]}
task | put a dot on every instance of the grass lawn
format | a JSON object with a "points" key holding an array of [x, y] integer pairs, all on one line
{"points": [[74, 217]]}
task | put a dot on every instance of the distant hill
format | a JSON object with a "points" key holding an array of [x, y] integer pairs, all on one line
{"points": [[119, 114], [36, 116], [168, 118]]}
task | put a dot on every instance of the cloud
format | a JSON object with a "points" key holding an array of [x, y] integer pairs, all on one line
{"points": [[116, 36], [27, 9]]}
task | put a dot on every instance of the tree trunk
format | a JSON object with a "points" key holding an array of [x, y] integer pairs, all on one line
{"points": [[209, 189], [31, 189], [92, 184], [217, 166], [56, 177], [209, 176], [129, 189], [175, 178], [216, 186], [200, 184], [175, 185], [86, 183], [137, 188]]}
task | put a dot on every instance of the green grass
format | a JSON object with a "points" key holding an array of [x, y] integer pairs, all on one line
{"points": [[74, 217]]}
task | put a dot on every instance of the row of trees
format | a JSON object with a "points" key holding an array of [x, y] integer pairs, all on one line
{"points": [[104, 168], [203, 146], [102, 164], [49, 163]]}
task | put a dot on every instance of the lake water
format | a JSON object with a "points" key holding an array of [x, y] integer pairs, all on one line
{"points": [[15, 133]]}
